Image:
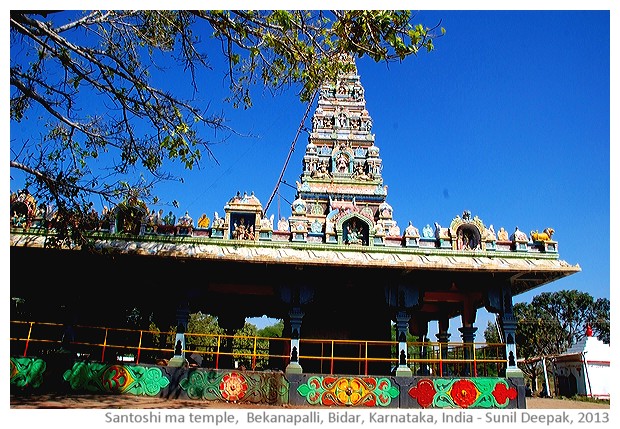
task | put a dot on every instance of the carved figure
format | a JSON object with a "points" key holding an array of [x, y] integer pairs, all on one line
{"points": [[411, 231], [283, 224], [502, 235], [186, 220], [266, 223], [322, 171], [519, 235], [342, 164], [354, 234], [542, 236], [218, 221], [242, 231], [490, 234], [427, 231], [203, 221], [342, 206], [360, 174], [441, 233]]}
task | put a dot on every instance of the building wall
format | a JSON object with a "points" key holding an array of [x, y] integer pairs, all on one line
{"points": [[63, 375]]}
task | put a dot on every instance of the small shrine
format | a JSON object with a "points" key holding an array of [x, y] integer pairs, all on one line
{"points": [[584, 369]]}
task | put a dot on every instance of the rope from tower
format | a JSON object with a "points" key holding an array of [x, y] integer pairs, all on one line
{"points": [[291, 150]]}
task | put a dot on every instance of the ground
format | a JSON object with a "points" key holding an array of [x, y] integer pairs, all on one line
{"points": [[50, 401]]}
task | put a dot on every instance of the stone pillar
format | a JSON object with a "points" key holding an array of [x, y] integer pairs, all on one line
{"points": [[179, 341], [402, 325], [468, 333], [443, 337], [295, 317]]}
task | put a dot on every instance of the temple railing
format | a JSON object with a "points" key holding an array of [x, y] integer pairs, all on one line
{"points": [[327, 356]]}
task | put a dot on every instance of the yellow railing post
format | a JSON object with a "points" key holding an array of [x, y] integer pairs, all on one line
{"points": [[139, 348], [217, 352], [254, 355], [105, 339], [28, 339]]}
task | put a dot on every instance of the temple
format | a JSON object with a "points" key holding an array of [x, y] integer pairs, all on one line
{"points": [[339, 271]]}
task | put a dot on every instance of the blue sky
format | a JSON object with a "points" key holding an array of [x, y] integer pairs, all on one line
{"points": [[509, 118]]}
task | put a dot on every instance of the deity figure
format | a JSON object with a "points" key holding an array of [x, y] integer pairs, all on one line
{"points": [[354, 234], [427, 231], [186, 220], [266, 223], [519, 235], [490, 233], [170, 218], [239, 231], [360, 174], [342, 164], [322, 171], [218, 222], [283, 225], [203, 221], [394, 231], [502, 235], [411, 231]]}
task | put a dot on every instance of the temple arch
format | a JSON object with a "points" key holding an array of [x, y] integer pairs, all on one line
{"points": [[353, 228]]}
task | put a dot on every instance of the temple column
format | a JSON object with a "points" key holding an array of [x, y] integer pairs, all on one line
{"points": [[295, 317], [402, 326], [468, 334], [443, 337], [423, 350], [509, 327], [419, 327], [509, 323], [179, 341], [499, 301]]}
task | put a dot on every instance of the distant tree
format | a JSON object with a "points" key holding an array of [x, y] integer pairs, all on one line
{"points": [[553, 322], [573, 310], [243, 344], [491, 336], [101, 123], [272, 331], [599, 319]]}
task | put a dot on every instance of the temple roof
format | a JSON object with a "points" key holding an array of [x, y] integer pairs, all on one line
{"points": [[525, 271]]}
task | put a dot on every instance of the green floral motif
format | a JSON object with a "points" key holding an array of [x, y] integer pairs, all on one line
{"points": [[348, 391], [113, 378], [252, 387], [27, 372]]}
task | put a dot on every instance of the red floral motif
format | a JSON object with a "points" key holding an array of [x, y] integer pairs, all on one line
{"points": [[464, 393], [424, 392], [233, 386], [502, 393]]}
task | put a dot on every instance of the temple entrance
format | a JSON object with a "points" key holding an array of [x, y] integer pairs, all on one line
{"points": [[341, 315]]}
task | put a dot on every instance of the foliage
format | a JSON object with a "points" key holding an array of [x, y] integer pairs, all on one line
{"points": [[100, 125], [554, 321], [491, 336], [272, 331]]}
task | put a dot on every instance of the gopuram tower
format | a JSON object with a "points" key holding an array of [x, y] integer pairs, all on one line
{"points": [[341, 198]]}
